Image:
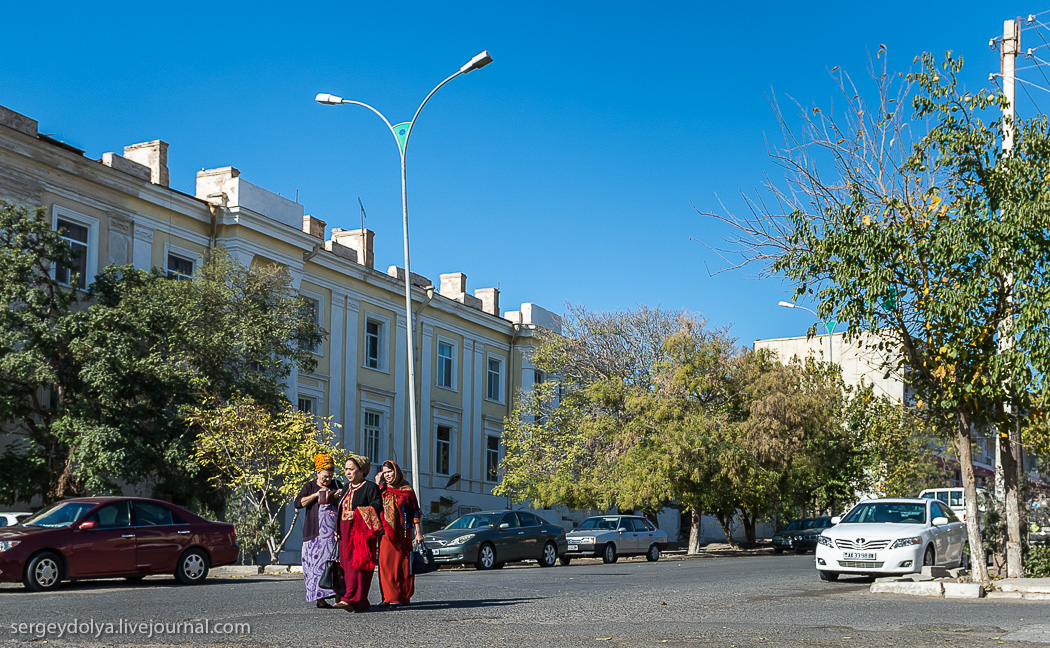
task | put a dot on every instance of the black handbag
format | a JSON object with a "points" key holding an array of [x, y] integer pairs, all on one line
{"points": [[330, 575], [422, 560]]}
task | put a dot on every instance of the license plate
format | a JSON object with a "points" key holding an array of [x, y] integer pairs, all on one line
{"points": [[574, 547], [858, 555]]}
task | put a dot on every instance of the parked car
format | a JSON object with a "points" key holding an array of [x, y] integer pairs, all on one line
{"points": [[955, 498], [891, 536], [612, 536], [800, 535], [106, 537], [11, 519], [490, 539]]}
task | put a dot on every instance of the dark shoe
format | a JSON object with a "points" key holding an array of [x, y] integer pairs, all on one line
{"points": [[364, 609], [321, 603], [384, 604]]}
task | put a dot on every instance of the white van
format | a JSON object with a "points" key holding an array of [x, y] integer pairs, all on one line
{"points": [[954, 497]]}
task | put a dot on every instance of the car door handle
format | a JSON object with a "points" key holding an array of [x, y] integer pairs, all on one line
{"points": [[184, 532], [521, 533], [130, 535]]}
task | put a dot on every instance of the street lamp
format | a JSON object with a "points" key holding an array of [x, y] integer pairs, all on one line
{"points": [[830, 326], [401, 134]]}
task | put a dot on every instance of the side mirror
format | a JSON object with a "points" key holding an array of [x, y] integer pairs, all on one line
{"points": [[621, 529], [84, 526], [940, 520], [835, 520], [505, 525]]}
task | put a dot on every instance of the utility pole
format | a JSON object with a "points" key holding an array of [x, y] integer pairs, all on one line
{"points": [[1008, 442]]}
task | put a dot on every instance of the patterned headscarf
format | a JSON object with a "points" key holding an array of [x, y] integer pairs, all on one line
{"points": [[362, 462], [323, 462]]}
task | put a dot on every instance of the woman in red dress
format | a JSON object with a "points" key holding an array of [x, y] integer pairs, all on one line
{"points": [[360, 525], [401, 517]]}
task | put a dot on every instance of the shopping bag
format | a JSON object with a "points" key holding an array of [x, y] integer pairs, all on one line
{"points": [[422, 560], [332, 572]]}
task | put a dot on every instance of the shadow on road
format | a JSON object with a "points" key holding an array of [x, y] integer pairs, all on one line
{"points": [[468, 604]]}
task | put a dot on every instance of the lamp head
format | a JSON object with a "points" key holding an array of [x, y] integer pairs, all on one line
{"points": [[476, 63], [330, 99], [786, 304]]}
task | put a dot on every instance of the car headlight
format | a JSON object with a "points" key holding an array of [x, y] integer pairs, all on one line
{"points": [[906, 542], [463, 539], [9, 544], [826, 541]]}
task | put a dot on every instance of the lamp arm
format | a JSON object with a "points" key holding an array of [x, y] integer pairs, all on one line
{"points": [[412, 123], [381, 116]]}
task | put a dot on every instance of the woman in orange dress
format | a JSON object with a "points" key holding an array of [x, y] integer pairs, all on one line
{"points": [[401, 517]]}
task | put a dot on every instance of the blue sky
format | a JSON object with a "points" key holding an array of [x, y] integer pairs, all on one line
{"points": [[565, 171]]}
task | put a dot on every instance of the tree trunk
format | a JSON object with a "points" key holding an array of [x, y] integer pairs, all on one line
{"points": [[750, 522], [979, 569], [696, 517], [725, 521], [284, 540], [1011, 496]]}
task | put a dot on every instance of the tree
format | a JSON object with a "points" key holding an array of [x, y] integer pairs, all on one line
{"points": [[908, 242], [261, 459], [95, 384]]}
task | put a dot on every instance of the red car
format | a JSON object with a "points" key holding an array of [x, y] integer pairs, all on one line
{"points": [[104, 537]]}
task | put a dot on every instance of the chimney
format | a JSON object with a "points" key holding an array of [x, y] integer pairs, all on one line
{"points": [[360, 241], [153, 155], [489, 300], [314, 226], [453, 285]]}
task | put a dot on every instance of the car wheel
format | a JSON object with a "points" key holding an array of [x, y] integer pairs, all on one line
{"points": [[43, 572], [486, 557], [609, 554], [828, 575], [778, 550], [550, 555], [653, 554], [565, 560], [192, 568], [929, 558]]}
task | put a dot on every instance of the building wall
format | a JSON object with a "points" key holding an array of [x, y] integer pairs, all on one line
{"points": [[134, 217]]}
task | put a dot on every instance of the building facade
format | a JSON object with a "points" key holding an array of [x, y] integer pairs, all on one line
{"points": [[471, 360]]}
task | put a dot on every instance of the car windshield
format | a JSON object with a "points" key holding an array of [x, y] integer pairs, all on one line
{"points": [[599, 523], [887, 512], [474, 521], [816, 523], [59, 515], [795, 525]]}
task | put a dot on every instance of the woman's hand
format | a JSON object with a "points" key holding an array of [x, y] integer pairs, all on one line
{"points": [[336, 494], [419, 538]]}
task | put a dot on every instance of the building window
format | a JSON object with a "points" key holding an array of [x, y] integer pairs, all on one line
{"points": [[444, 368], [537, 377], [443, 453], [371, 432], [373, 344], [179, 267], [492, 458], [76, 236], [494, 386], [306, 405], [312, 309]]}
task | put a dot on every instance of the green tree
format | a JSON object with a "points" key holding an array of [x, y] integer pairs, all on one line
{"points": [[261, 460], [96, 384], [938, 247]]}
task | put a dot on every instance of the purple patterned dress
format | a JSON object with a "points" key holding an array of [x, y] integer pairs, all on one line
{"points": [[318, 551]]}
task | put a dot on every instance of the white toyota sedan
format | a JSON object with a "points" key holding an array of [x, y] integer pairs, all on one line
{"points": [[891, 536]]}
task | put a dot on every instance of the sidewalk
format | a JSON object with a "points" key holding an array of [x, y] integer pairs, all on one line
{"points": [[240, 571]]}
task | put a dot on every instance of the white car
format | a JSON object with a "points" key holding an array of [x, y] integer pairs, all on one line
{"points": [[11, 519], [891, 536]]}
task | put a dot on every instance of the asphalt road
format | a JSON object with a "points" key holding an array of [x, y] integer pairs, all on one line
{"points": [[730, 602]]}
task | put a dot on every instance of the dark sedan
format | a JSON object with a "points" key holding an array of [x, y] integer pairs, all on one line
{"points": [[800, 536], [488, 539], [106, 537]]}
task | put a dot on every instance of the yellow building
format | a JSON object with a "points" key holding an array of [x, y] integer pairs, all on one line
{"points": [[471, 360]]}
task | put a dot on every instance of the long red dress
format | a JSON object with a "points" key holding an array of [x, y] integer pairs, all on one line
{"points": [[400, 515], [359, 528]]}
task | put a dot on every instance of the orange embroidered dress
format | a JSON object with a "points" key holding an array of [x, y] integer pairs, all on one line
{"points": [[400, 515], [359, 527]]}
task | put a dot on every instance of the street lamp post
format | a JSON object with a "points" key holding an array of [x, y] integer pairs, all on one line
{"points": [[830, 326], [401, 133]]}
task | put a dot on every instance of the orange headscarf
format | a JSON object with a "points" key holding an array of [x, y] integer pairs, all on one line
{"points": [[323, 462]]}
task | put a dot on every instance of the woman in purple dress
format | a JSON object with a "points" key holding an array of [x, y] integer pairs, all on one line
{"points": [[319, 497]]}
